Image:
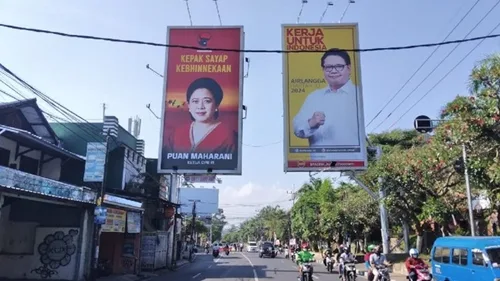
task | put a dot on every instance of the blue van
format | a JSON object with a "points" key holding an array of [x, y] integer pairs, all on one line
{"points": [[456, 258]]}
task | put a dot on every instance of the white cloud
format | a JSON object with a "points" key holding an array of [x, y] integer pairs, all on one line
{"points": [[240, 203]]}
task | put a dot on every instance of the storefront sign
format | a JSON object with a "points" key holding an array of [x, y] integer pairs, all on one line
{"points": [[115, 221], [95, 162], [100, 214], [15, 179], [133, 222], [122, 202]]}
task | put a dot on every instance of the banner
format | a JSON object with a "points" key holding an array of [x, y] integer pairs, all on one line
{"points": [[200, 178], [115, 221], [202, 101], [323, 100]]}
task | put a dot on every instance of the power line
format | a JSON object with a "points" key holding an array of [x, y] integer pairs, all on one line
{"points": [[66, 112], [137, 42], [189, 12], [436, 67], [441, 80], [218, 11], [422, 65]]}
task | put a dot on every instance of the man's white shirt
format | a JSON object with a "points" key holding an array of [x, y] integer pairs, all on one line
{"points": [[344, 257], [341, 121]]}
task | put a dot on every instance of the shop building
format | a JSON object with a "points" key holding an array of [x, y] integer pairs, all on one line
{"points": [[46, 214], [119, 238]]}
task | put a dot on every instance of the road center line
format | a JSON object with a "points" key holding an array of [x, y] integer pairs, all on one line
{"points": [[196, 275], [255, 277]]}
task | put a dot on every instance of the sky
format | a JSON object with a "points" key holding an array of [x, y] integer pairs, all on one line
{"points": [[84, 74]]}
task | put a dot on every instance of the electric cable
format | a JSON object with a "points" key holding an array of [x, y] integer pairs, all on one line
{"points": [[436, 67], [441, 80], [137, 42], [422, 65], [189, 12], [218, 11], [70, 115]]}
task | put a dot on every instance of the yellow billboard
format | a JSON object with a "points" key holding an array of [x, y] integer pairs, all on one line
{"points": [[323, 100]]}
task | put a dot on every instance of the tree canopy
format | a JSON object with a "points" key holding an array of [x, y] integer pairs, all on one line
{"points": [[422, 176]]}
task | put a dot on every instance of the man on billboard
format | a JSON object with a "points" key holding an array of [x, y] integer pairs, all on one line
{"points": [[329, 116]]}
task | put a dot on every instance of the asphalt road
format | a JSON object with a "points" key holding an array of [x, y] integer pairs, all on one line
{"points": [[243, 267]]}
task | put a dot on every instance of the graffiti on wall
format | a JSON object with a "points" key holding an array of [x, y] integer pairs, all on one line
{"points": [[56, 250]]}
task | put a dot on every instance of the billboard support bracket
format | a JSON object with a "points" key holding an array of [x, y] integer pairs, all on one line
{"points": [[244, 107]]}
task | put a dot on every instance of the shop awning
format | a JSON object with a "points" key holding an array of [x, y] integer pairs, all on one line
{"points": [[122, 202]]}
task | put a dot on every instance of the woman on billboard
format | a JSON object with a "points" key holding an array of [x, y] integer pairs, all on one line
{"points": [[206, 133]]}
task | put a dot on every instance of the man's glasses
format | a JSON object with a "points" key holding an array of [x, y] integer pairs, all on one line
{"points": [[337, 67]]}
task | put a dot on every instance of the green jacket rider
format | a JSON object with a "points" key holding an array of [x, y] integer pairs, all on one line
{"points": [[304, 256]]}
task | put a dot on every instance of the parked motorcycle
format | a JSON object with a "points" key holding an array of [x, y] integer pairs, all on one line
{"points": [[307, 271], [422, 273], [329, 263], [383, 276], [350, 271]]}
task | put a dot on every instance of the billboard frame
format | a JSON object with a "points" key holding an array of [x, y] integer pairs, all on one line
{"points": [[238, 170], [286, 117]]}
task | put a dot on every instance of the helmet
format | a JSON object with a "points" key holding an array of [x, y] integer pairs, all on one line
{"points": [[346, 250], [305, 245], [414, 253], [371, 248]]}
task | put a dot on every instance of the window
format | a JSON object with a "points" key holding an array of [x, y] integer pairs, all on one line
{"points": [[28, 165], [4, 157], [459, 256], [441, 255], [477, 258], [494, 255]]}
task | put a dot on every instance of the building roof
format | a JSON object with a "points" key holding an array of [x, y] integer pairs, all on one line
{"points": [[32, 115], [75, 136], [33, 141]]}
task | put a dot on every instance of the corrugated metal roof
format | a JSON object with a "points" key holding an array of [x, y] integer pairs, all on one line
{"points": [[34, 116], [40, 140]]}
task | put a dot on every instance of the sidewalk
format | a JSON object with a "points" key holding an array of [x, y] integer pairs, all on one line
{"points": [[145, 275]]}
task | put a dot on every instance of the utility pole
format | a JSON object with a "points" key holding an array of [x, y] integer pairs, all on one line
{"points": [[469, 195], [294, 196], [193, 223], [384, 222], [424, 124], [100, 200], [103, 111]]}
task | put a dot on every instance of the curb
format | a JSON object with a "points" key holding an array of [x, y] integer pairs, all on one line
{"points": [[186, 263]]}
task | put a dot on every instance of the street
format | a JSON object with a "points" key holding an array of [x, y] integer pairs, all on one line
{"points": [[243, 267]]}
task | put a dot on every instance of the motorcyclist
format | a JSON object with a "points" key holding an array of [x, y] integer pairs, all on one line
{"points": [[371, 250], [304, 256], [412, 262], [377, 259], [345, 257], [327, 252], [340, 250], [207, 246]]}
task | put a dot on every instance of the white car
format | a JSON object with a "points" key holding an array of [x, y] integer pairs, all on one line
{"points": [[252, 247], [216, 246]]}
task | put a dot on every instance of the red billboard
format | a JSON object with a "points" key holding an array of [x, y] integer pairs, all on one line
{"points": [[202, 101]]}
